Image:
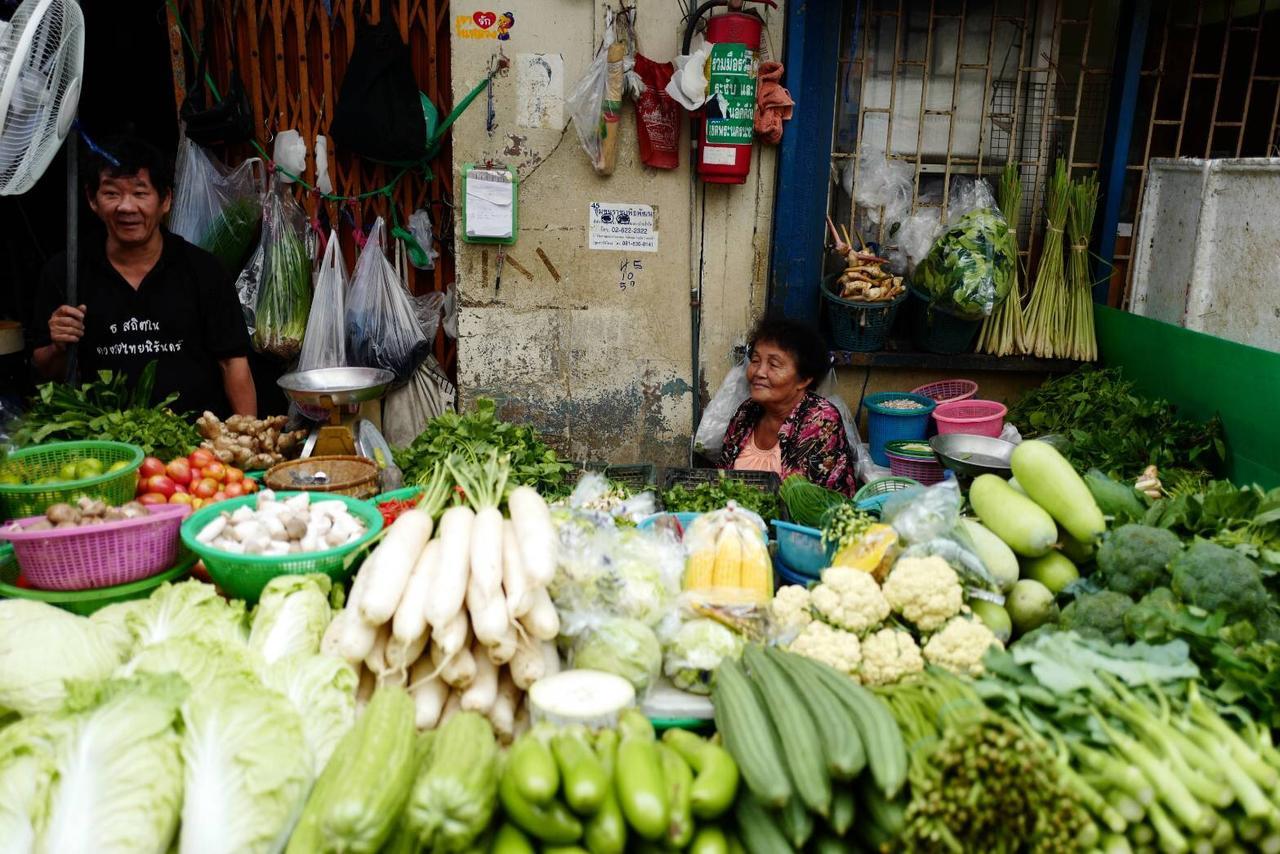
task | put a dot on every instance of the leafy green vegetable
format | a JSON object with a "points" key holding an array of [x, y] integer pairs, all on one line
{"points": [[291, 616], [970, 267], [110, 409], [189, 608], [1110, 427], [199, 662], [1242, 518], [807, 502], [1066, 662], [475, 435], [625, 647], [231, 234], [322, 689], [26, 774], [696, 650], [716, 494], [246, 767]]}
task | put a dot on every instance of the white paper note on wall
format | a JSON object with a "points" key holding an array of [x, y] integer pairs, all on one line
{"points": [[490, 210]]}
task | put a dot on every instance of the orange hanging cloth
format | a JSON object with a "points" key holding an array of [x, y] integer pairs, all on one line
{"points": [[773, 103]]}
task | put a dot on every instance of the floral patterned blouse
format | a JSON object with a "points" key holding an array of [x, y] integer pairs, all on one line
{"points": [[812, 439]]}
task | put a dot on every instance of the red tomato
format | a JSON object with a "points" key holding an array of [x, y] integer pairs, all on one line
{"points": [[200, 458], [142, 487], [205, 488], [181, 489], [233, 489], [151, 466], [180, 498], [216, 470], [154, 498], [162, 484], [179, 470], [234, 475], [249, 485], [218, 496]]}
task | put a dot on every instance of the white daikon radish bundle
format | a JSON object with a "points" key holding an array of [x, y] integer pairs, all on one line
{"points": [[515, 581], [394, 559], [528, 665], [410, 620], [542, 621], [483, 485], [355, 637], [429, 694], [376, 660], [503, 714], [449, 587], [400, 656], [451, 707], [458, 669], [535, 534], [483, 691], [503, 651]]}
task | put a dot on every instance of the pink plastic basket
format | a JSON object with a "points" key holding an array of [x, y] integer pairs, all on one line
{"points": [[944, 391], [924, 471], [93, 556], [975, 417]]}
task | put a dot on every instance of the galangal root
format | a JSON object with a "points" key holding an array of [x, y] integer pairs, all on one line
{"points": [[248, 443]]}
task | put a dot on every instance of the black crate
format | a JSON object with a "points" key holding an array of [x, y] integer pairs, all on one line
{"points": [[634, 476], [763, 480]]}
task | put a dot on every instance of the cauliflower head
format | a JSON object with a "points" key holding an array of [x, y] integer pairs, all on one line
{"points": [[850, 599], [833, 647], [790, 607], [960, 646], [926, 591], [888, 656]]}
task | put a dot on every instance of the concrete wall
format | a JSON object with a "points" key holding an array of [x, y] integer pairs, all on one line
{"points": [[580, 343]]}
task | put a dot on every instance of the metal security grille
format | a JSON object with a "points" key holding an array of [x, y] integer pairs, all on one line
{"points": [[960, 87], [1209, 87]]}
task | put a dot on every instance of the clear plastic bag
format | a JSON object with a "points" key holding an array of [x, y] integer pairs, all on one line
{"points": [[709, 440], [884, 187], [969, 268], [420, 228], [586, 101], [325, 342], [728, 561], [383, 330], [920, 515], [594, 494], [827, 389], [214, 207], [282, 264]]}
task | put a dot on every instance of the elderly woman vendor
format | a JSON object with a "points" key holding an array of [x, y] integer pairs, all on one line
{"points": [[785, 427]]}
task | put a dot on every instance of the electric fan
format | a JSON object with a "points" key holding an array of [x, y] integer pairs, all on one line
{"points": [[41, 60]]}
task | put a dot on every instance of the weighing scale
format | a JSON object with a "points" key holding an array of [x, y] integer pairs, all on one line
{"points": [[334, 396]]}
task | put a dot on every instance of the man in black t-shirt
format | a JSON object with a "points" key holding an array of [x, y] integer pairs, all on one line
{"points": [[145, 295]]}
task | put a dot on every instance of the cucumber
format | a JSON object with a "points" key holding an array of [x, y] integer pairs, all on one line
{"points": [[716, 782], [1118, 500], [796, 729], [1053, 570], [1017, 520], [709, 840], [841, 745], [796, 823], [748, 735], [511, 840], [679, 779], [638, 780], [843, 809], [537, 776], [606, 831], [757, 830], [1053, 483], [997, 557], [551, 823]]}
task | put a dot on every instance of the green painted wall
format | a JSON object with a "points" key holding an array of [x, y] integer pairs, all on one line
{"points": [[1202, 374]]}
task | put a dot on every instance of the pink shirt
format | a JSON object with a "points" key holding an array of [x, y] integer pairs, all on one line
{"points": [[753, 458]]}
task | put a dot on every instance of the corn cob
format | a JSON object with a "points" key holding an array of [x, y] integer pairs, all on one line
{"points": [[728, 566]]}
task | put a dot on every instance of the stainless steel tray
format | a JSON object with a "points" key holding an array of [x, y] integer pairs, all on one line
{"points": [[971, 455]]}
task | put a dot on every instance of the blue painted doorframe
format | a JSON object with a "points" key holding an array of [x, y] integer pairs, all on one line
{"points": [[800, 207], [800, 210]]}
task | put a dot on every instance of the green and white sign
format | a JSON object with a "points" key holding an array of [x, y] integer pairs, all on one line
{"points": [[731, 103]]}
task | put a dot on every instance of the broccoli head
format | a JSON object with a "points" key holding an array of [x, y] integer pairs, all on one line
{"points": [[1152, 619], [1097, 615], [1135, 558], [1215, 578]]}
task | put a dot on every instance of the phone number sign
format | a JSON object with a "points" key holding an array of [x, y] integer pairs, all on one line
{"points": [[622, 227]]}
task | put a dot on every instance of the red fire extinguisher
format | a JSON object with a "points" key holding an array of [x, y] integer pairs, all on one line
{"points": [[723, 130]]}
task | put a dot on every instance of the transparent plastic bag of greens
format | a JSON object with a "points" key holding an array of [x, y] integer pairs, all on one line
{"points": [[283, 299], [595, 494], [970, 265], [927, 521], [215, 207], [382, 328], [709, 440]]}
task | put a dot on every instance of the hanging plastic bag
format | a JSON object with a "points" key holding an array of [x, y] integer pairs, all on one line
{"points": [[657, 115], [280, 274], [449, 320], [969, 268], [325, 342], [591, 101], [827, 389], [420, 228], [383, 330], [214, 207], [709, 440]]}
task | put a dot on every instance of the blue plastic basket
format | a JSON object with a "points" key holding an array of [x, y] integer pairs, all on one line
{"points": [[886, 424], [800, 548], [858, 326], [784, 575]]}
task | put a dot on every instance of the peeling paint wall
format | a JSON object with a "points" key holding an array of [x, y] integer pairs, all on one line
{"points": [[593, 347]]}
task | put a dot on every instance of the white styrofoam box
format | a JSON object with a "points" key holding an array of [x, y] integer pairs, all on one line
{"points": [[1208, 254]]}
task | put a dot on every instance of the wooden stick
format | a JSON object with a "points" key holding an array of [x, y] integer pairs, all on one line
{"points": [[611, 111]]}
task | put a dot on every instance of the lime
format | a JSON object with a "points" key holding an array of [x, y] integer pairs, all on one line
{"points": [[87, 468], [119, 465], [68, 471]]}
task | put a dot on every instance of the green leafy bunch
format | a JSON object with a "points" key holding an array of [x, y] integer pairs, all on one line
{"points": [[716, 494]]}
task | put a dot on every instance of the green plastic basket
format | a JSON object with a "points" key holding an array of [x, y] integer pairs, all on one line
{"points": [[19, 500], [244, 576], [883, 486], [403, 494], [85, 602]]}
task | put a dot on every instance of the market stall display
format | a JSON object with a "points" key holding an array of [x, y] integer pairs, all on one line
{"points": [[198, 479]]}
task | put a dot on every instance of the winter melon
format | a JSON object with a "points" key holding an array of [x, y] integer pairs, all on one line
{"points": [[998, 558], [1051, 482], [1054, 570], [1017, 520]]}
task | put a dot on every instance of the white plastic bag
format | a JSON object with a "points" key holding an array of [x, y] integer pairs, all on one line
{"points": [[325, 343], [587, 99], [827, 389], [214, 207], [420, 227], [883, 184], [709, 440], [382, 327], [408, 408]]}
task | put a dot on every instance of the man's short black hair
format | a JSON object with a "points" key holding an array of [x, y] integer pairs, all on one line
{"points": [[802, 340], [132, 154]]}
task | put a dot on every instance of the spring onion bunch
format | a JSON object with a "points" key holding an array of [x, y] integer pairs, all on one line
{"points": [[1047, 312], [1003, 333], [1081, 343]]}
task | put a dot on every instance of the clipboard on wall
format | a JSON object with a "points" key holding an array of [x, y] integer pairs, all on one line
{"points": [[490, 204]]}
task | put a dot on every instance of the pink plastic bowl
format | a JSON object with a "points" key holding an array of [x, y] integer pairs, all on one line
{"points": [[93, 556], [975, 417]]}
